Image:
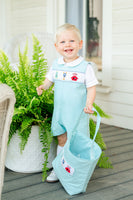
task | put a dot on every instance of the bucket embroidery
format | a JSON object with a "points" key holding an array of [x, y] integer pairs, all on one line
{"points": [[67, 167]]}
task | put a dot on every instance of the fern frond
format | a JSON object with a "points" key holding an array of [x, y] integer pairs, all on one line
{"points": [[99, 139], [25, 124], [104, 161], [46, 139], [8, 76], [25, 131], [24, 137], [100, 111], [21, 110], [23, 66], [39, 62], [34, 102], [5, 64]]}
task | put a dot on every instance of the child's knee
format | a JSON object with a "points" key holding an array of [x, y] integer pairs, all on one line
{"points": [[62, 139]]}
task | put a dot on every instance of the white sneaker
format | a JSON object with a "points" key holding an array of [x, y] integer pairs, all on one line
{"points": [[52, 177]]}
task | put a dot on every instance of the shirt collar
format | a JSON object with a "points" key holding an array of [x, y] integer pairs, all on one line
{"points": [[73, 63]]}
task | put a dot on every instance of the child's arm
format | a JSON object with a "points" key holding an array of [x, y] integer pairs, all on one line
{"points": [[47, 84], [91, 94]]}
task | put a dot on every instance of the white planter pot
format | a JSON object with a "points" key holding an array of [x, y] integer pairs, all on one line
{"points": [[32, 158]]}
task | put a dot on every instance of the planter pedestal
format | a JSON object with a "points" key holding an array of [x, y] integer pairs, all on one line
{"points": [[32, 158]]}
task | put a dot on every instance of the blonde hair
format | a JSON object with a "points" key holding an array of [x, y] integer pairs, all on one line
{"points": [[65, 27]]}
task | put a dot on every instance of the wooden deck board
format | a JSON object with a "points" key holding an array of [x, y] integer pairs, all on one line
{"points": [[105, 184], [118, 137], [116, 133], [10, 175], [119, 142], [117, 168], [25, 181], [110, 193]]}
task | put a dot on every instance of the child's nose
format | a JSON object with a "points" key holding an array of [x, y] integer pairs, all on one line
{"points": [[67, 43]]}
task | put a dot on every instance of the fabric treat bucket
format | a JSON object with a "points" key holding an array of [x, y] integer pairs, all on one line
{"points": [[74, 166]]}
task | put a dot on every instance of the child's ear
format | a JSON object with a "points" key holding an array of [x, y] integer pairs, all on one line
{"points": [[55, 44], [81, 44]]}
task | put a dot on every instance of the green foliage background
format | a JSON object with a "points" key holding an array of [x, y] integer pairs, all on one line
{"points": [[31, 109]]}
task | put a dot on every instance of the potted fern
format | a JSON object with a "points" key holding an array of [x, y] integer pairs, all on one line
{"points": [[32, 110]]}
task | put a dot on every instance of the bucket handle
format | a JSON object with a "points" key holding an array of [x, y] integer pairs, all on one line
{"points": [[97, 124]]}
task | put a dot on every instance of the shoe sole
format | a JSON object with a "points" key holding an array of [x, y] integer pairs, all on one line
{"points": [[51, 181]]}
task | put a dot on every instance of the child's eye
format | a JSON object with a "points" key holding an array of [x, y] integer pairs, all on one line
{"points": [[71, 40], [62, 42]]}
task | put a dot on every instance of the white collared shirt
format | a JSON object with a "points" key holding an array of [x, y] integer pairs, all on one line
{"points": [[89, 78]]}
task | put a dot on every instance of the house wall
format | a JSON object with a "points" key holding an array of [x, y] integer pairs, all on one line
{"points": [[119, 103], [23, 16]]}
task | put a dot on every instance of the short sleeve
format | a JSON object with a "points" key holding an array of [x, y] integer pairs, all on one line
{"points": [[90, 78], [49, 75]]}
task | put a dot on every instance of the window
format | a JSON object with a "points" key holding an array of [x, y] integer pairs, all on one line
{"points": [[101, 22], [94, 32]]}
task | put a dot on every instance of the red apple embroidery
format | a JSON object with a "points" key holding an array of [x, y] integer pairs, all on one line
{"points": [[67, 169], [74, 78]]}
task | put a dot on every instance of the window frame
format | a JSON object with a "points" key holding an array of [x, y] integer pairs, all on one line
{"points": [[105, 76], [55, 14]]}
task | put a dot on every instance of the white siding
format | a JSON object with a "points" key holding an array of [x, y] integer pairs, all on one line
{"points": [[26, 16], [119, 103], [22, 16]]}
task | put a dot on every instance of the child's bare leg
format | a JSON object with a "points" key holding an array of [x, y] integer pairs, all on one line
{"points": [[62, 139]]}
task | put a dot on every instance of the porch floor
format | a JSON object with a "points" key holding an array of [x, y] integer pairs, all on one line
{"points": [[105, 184]]}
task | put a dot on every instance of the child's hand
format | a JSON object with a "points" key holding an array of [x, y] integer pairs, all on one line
{"points": [[88, 109], [40, 89]]}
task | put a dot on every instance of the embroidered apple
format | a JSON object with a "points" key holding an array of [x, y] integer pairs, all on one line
{"points": [[67, 169], [74, 77]]}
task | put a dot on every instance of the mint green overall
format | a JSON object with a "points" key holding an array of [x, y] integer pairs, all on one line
{"points": [[69, 101]]}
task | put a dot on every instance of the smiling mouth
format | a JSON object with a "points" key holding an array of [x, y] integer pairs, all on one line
{"points": [[68, 50]]}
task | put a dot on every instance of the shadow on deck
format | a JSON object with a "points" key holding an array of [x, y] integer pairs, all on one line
{"points": [[105, 184]]}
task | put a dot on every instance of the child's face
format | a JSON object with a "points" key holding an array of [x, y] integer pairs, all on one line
{"points": [[68, 45]]}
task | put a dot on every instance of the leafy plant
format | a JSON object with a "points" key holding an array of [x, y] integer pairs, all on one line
{"points": [[31, 109]]}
